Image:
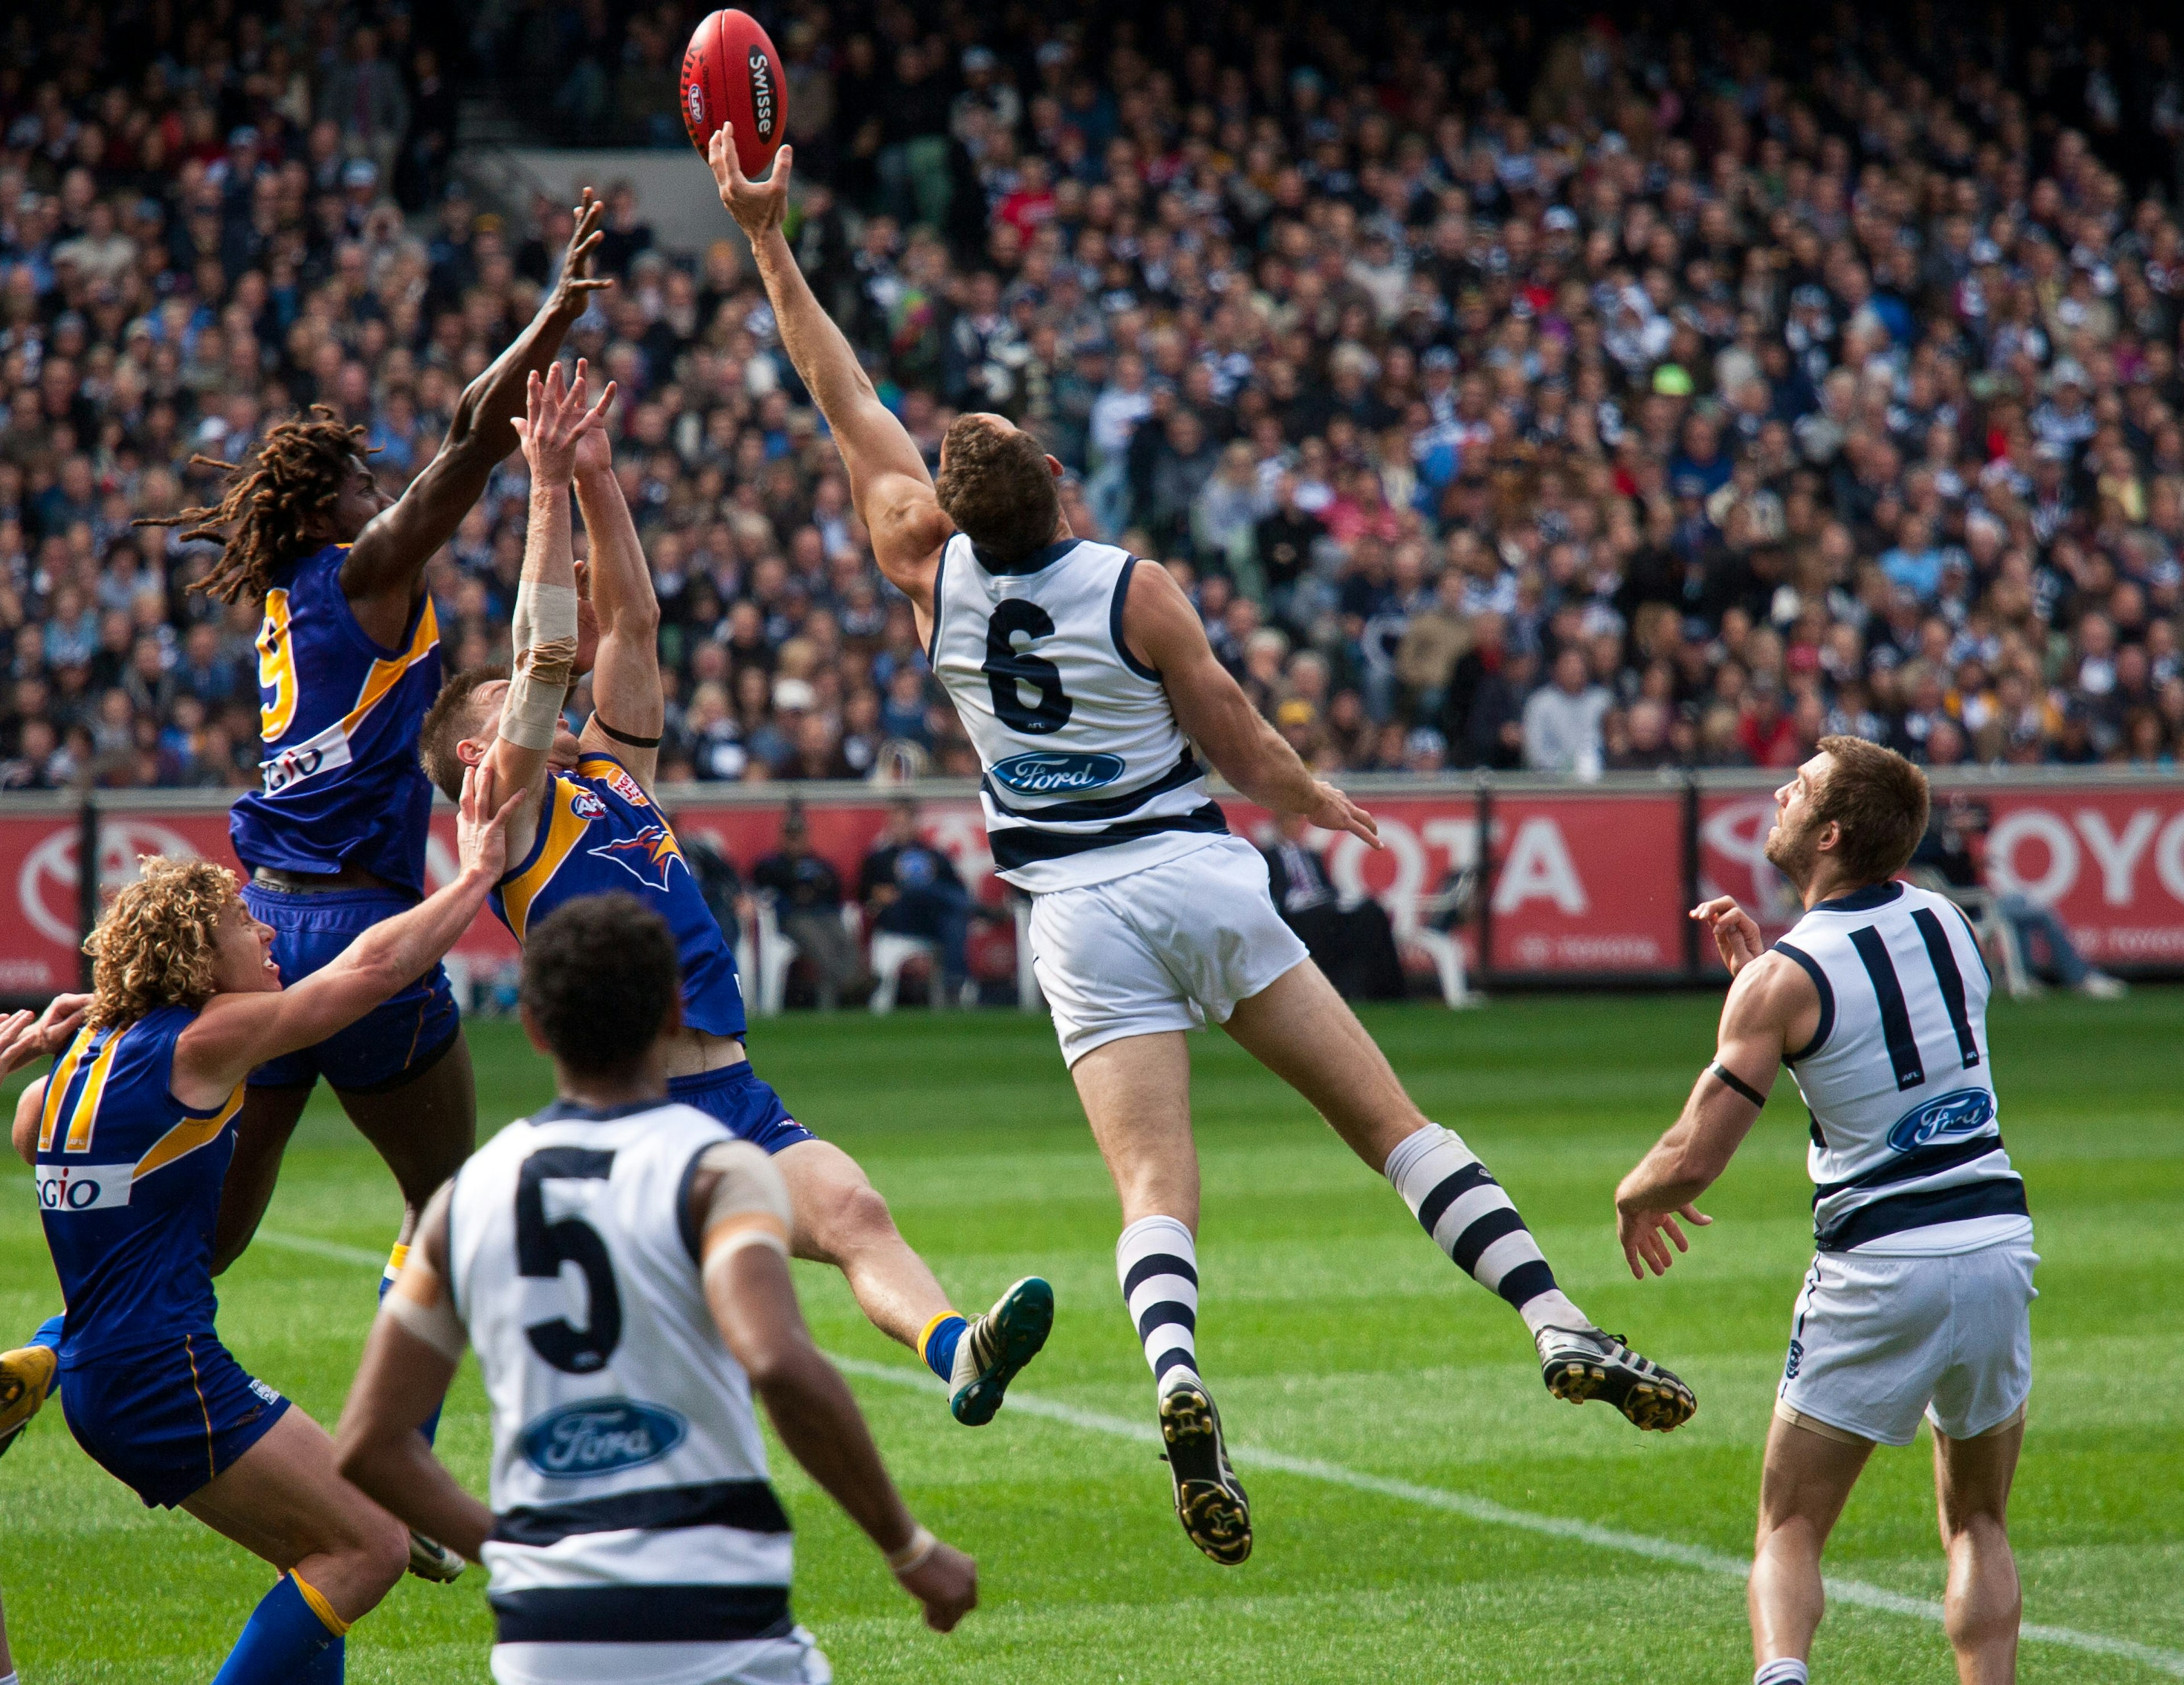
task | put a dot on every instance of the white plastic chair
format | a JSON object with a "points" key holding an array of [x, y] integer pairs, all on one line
{"points": [[777, 953], [1446, 953], [1996, 935], [890, 953]]}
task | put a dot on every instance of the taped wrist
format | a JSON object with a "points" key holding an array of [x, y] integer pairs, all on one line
{"points": [[544, 635], [750, 1204]]}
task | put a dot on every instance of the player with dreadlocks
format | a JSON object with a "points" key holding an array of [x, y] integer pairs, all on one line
{"points": [[349, 662]]}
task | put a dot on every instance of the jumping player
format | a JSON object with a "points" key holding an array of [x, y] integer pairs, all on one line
{"points": [[588, 824], [1917, 1300], [348, 663], [634, 1534], [130, 1135], [1084, 679]]}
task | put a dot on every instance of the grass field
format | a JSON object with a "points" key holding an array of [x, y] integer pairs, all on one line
{"points": [[1424, 1510]]}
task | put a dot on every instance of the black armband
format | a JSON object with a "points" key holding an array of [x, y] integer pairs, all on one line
{"points": [[1737, 1085], [623, 736]]}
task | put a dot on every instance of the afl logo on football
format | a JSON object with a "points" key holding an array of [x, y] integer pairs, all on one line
{"points": [[693, 105], [762, 86]]}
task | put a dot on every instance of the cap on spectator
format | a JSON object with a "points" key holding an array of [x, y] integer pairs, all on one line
{"points": [[1561, 219], [2068, 372], [1424, 740], [1672, 380], [1053, 52], [795, 696], [1296, 712], [359, 172], [241, 135]]}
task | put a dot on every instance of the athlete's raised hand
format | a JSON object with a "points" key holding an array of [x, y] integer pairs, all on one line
{"points": [[555, 419], [946, 1582], [1736, 935], [758, 206], [24, 1036], [1335, 812], [572, 293], [481, 826]]}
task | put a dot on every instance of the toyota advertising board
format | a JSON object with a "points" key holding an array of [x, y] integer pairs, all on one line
{"points": [[1587, 882]]}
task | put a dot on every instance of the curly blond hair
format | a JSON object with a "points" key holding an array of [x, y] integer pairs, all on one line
{"points": [[157, 943]]}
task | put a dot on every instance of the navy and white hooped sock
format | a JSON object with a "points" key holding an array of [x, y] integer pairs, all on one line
{"points": [[1782, 1670], [1458, 1202], [1156, 1262]]}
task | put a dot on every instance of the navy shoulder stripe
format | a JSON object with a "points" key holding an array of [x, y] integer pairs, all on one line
{"points": [[1827, 1026], [1115, 624]]}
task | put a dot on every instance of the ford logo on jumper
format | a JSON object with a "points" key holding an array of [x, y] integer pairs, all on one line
{"points": [[1966, 1111], [1049, 773], [600, 1436]]}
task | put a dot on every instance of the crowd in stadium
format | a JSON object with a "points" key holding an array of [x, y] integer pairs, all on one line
{"points": [[1577, 401]]}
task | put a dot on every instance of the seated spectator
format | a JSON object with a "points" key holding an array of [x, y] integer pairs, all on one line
{"points": [[1353, 945], [808, 896], [1955, 848], [911, 889]]}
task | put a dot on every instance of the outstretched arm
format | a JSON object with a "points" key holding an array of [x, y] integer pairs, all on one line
{"points": [[386, 566], [1772, 1008], [235, 1033], [553, 428], [887, 481], [627, 704], [738, 1206], [416, 1345], [1163, 632]]}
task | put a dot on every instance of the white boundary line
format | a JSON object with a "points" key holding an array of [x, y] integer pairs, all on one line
{"points": [[1484, 1510]]}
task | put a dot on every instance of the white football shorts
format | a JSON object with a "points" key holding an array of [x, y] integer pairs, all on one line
{"points": [[1168, 947], [794, 1659], [1878, 1340]]}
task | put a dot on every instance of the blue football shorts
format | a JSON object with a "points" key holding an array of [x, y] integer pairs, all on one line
{"points": [[402, 1035], [749, 1108], [166, 1420]]}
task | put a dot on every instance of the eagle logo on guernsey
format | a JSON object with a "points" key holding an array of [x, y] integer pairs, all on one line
{"points": [[648, 856], [1053, 773], [600, 1436], [1966, 1111]]}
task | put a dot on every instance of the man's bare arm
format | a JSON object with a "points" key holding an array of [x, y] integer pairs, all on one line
{"points": [[627, 701], [410, 1358], [1162, 633], [385, 567], [1772, 1008], [888, 479]]}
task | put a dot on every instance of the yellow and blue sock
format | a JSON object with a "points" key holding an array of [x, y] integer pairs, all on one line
{"points": [[937, 1343], [287, 1638], [395, 1259]]}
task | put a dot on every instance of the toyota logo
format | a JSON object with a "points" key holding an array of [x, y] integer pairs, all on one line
{"points": [[48, 884]]}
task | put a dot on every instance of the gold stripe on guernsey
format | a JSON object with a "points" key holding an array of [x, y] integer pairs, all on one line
{"points": [[56, 1087], [186, 1136], [85, 1117], [387, 673], [563, 833]]}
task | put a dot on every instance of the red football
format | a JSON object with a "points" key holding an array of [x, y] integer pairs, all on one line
{"points": [[731, 74]]}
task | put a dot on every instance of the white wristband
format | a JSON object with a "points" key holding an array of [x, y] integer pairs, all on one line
{"points": [[912, 1556]]}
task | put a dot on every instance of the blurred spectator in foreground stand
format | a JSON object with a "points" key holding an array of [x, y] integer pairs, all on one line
{"points": [[1355, 945], [1955, 848], [1562, 721], [808, 894], [912, 890]]}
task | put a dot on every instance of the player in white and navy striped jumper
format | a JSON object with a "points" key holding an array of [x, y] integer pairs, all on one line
{"points": [[633, 1536], [1917, 1301], [1085, 682]]}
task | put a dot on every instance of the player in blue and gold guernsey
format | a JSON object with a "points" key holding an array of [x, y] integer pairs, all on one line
{"points": [[348, 661], [589, 824], [131, 1134]]}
